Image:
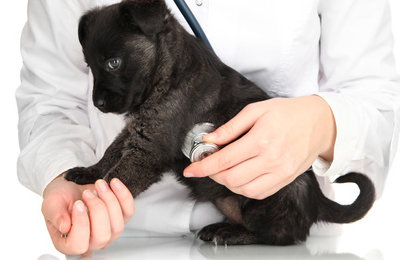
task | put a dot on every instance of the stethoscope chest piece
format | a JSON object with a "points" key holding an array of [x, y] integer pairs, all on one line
{"points": [[194, 148]]}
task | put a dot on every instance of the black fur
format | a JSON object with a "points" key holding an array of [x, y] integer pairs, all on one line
{"points": [[147, 66]]}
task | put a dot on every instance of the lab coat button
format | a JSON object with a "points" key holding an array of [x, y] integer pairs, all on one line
{"points": [[199, 2]]}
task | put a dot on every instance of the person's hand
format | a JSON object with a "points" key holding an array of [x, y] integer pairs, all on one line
{"points": [[282, 138], [78, 221]]}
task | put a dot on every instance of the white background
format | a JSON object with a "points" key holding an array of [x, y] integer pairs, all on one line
{"points": [[22, 230]]}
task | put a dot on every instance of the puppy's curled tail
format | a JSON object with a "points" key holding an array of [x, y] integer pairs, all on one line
{"points": [[331, 211]]}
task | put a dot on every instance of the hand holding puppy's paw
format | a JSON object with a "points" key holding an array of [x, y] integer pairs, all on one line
{"points": [[80, 175]]}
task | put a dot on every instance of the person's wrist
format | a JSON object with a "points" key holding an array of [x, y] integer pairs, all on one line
{"points": [[327, 129], [56, 180]]}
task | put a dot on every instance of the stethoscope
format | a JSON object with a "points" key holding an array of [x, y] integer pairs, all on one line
{"points": [[194, 148]]}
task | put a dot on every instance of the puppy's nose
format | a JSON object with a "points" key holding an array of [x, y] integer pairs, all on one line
{"points": [[100, 102]]}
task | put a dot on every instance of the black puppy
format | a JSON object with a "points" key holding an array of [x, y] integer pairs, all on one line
{"points": [[146, 66]]}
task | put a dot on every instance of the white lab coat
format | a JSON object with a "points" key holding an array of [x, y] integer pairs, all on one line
{"points": [[338, 49]]}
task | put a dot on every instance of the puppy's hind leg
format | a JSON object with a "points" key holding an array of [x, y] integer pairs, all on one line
{"points": [[276, 221], [225, 233], [232, 232], [273, 221]]}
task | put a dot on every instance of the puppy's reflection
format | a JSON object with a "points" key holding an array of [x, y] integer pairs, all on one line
{"points": [[315, 248]]}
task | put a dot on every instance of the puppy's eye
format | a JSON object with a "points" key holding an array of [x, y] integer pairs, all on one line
{"points": [[113, 64]]}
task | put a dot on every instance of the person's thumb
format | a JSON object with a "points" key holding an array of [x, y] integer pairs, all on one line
{"points": [[235, 127], [55, 211]]}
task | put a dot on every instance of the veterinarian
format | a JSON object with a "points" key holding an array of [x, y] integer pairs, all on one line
{"points": [[331, 61]]}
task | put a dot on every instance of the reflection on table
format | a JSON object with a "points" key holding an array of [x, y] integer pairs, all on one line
{"points": [[189, 247]]}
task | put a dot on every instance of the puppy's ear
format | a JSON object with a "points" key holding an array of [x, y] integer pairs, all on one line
{"points": [[148, 15], [83, 26]]}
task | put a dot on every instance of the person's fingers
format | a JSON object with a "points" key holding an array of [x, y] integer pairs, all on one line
{"points": [[100, 230], [114, 209], [229, 156], [55, 211], [124, 197], [242, 173], [77, 240], [263, 186], [270, 192], [235, 127]]}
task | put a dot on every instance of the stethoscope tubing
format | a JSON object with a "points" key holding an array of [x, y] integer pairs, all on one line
{"points": [[192, 21]]}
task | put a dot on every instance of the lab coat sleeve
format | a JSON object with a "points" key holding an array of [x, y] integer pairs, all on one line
{"points": [[358, 80], [54, 131]]}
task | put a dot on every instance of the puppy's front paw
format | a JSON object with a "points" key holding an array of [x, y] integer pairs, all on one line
{"points": [[80, 175]]}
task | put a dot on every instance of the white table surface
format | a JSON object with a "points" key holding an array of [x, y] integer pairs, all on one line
{"points": [[24, 236]]}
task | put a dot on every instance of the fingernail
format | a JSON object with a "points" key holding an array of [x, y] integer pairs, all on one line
{"points": [[88, 194], [117, 184], [79, 206], [102, 186], [188, 174], [210, 137], [95, 193]]}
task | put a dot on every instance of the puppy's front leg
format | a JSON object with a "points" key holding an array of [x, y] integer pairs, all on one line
{"points": [[113, 154], [137, 171]]}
